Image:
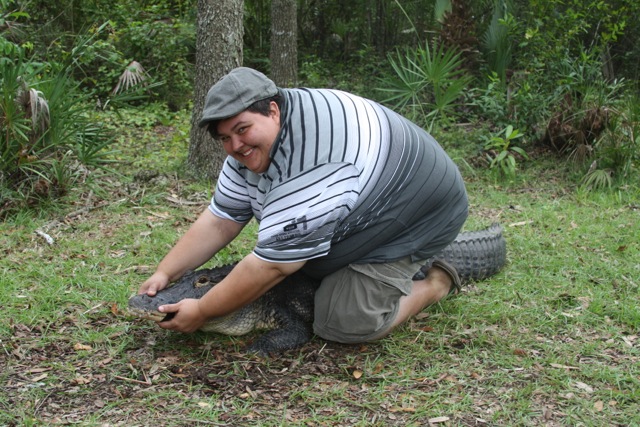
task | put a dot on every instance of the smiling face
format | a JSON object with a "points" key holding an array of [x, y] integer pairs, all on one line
{"points": [[248, 137]]}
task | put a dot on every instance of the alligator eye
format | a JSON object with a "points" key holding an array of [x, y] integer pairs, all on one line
{"points": [[202, 281]]}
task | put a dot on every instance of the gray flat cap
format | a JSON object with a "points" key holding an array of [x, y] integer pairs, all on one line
{"points": [[234, 93]]}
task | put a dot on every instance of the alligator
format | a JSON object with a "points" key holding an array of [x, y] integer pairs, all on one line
{"points": [[286, 310]]}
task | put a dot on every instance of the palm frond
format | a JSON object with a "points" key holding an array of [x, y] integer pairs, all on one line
{"points": [[35, 107], [133, 75]]}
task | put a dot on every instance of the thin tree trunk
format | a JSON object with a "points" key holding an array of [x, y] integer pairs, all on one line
{"points": [[218, 50], [284, 43]]}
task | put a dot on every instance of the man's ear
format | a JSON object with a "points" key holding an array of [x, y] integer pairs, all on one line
{"points": [[274, 110]]}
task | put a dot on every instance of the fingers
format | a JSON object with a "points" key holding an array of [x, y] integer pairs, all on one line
{"points": [[170, 323], [169, 308], [187, 316], [151, 290], [155, 283]]}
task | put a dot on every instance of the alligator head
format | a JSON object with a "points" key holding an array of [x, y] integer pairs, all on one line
{"points": [[193, 284]]}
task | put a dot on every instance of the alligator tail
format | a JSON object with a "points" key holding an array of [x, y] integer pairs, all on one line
{"points": [[476, 255]]}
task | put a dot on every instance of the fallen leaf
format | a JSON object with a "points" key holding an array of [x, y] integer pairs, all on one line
{"points": [[357, 374], [521, 223], [402, 409], [556, 365], [204, 405], [251, 392], [106, 361], [520, 352], [114, 309], [81, 347], [38, 370], [80, 380], [437, 420], [585, 387], [161, 215], [39, 378], [598, 406], [118, 254]]}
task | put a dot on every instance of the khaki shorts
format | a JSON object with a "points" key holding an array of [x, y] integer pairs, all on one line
{"points": [[360, 301]]}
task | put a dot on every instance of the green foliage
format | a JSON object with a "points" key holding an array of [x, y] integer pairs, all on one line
{"points": [[617, 152], [584, 123], [597, 179], [165, 48], [354, 75], [426, 84], [160, 36], [50, 134], [501, 152], [570, 108], [547, 62], [10, 33], [573, 24], [522, 103], [497, 40]]}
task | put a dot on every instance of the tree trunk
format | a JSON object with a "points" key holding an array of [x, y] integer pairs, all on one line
{"points": [[218, 50], [284, 43]]}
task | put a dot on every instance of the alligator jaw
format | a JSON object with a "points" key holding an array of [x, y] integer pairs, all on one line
{"points": [[156, 316]]}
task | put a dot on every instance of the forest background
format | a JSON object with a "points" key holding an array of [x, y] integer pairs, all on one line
{"points": [[557, 75]]}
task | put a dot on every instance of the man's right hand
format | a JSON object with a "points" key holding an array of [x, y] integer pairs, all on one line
{"points": [[155, 283], [205, 238]]}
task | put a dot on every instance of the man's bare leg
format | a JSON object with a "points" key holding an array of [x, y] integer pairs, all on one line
{"points": [[435, 286]]}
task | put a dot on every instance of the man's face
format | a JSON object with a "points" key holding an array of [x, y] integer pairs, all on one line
{"points": [[248, 137]]}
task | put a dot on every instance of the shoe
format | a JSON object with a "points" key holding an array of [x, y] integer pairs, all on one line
{"points": [[456, 283]]}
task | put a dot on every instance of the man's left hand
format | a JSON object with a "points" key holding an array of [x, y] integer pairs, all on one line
{"points": [[188, 317]]}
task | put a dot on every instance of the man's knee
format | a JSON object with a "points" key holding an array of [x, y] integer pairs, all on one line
{"points": [[360, 302]]}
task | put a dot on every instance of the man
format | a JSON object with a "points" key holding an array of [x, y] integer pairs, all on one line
{"points": [[342, 187]]}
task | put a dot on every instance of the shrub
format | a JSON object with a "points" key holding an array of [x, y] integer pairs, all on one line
{"points": [[49, 134], [501, 152], [427, 83], [582, 105], [617, 152], [166, 49]]}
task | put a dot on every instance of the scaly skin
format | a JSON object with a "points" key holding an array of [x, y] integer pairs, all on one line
{"points": [[287, 308]]}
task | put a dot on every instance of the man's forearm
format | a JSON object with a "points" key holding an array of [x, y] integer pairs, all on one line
{"points": [[204, 239], [249, 280]]}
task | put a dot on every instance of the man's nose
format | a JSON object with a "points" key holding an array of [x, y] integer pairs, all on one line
{"points": [[235, 142]]}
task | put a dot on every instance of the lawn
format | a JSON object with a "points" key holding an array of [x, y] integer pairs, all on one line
{"points": [[552, 340]]}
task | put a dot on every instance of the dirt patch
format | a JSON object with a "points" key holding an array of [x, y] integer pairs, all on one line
{"points": [[59, 381]]}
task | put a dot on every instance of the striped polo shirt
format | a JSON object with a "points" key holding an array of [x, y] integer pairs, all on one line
{"points": [[350, 181]]}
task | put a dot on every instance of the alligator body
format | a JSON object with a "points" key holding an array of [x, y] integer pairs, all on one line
{"points": [[286, 310]]}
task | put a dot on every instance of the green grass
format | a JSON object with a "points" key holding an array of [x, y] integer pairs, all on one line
{"points": [[551, 340]]}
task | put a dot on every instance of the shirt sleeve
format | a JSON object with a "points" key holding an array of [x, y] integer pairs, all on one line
{"points": [[302, 215], [231, 199]]}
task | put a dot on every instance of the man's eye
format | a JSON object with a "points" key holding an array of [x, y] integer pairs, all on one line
{"points": [[241, 130], [224, 139]]}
